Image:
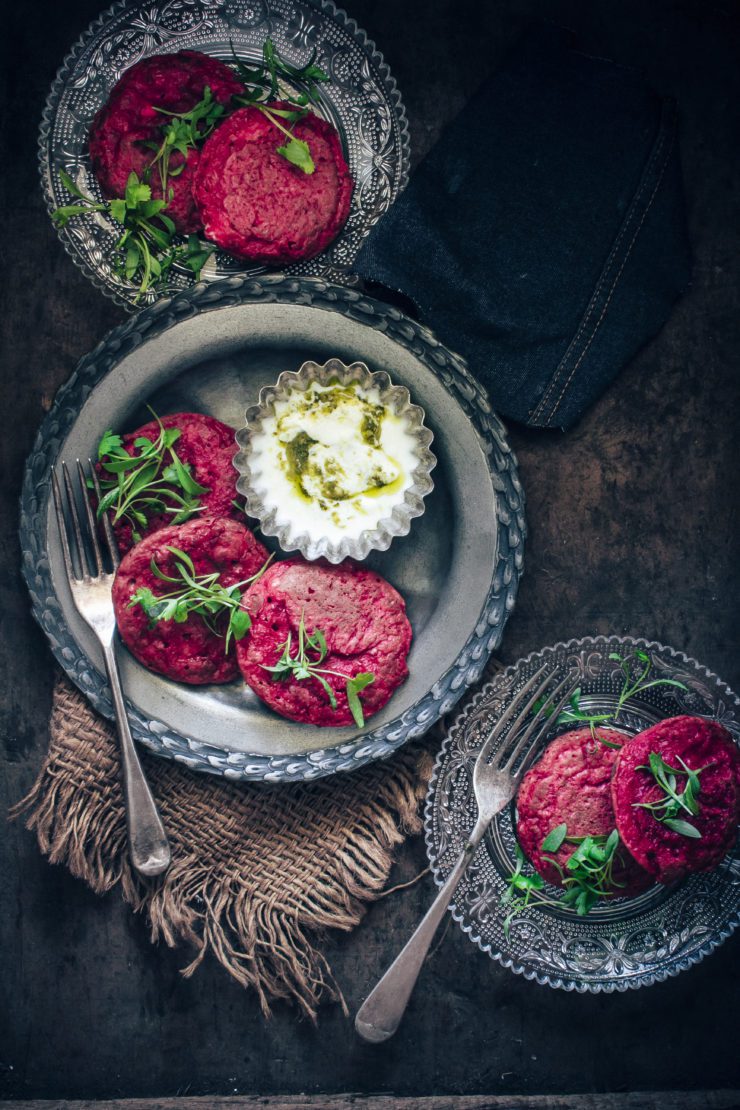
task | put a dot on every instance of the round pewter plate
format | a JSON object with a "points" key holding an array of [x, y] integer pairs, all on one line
{"points": [[361, 100], [211, 349], [626, 943]]}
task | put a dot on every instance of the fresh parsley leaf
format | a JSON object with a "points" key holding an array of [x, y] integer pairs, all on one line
{"points": [[268, 83], [298, 154]]}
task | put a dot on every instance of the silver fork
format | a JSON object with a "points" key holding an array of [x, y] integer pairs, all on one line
{"points": [[494, 785], [91, 592]]}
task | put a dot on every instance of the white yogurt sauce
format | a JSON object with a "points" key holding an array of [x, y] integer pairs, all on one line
{"points": [[333, 459]]}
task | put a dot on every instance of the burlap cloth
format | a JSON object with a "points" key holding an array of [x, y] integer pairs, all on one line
{"points": [[258, 872]]}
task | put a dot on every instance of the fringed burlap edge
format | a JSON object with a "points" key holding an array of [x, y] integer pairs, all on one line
{"points": [[259, 873]]}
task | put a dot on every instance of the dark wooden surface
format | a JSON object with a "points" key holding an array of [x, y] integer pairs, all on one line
{"points": [[634, 529], [636, 1100]]}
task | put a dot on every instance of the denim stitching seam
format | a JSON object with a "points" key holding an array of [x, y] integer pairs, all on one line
{"points": [[648, 174], [608, 267], [613, 288]]}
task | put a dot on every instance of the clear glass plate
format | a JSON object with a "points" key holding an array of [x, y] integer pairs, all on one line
{"points": [[361, 100], [628, 942]]}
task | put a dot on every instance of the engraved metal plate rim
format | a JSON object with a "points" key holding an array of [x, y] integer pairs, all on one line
{"points": [[456, 378], [322, 266], [717, 934]]}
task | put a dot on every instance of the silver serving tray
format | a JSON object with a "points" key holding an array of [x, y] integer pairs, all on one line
{"points": [[212, 349], [626, 943], [361, 100]]}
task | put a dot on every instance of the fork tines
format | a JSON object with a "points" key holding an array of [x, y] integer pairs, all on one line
{"points": [[517, 745], [83, 556]]}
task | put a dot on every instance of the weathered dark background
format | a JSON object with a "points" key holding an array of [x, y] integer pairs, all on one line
{"points": [[634, 529]]}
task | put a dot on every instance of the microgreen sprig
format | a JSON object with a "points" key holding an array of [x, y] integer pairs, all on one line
{"points": [[151, 481], [200, 594], [146, 249], [300, 666], [632, 686], [587, 877], [589, 872], [267, 83], [184, 131], [668, 808]]}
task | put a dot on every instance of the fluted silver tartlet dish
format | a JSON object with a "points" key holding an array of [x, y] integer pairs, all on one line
{"points": [[274, 516]]}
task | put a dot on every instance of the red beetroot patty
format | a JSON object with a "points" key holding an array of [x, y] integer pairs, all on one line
{"points": [[257, 205], [571, 785], [362, 618], [187, 652], [208, 446], [666, 854], [128, 121]]}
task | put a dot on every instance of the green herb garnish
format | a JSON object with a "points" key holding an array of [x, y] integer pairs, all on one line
{"points": [[668, 808], [184, 132], [265, 83], [588, 874], [151, 481], [301, 666], [631, 687], [146, 249], [200, 594], [587, 877], [522, 891]]}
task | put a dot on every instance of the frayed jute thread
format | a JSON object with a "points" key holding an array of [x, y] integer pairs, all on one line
{"points": [[259, 872]]}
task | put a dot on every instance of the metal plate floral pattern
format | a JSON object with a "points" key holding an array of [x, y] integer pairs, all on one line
{"points": [[630, 942], [361, 100]]}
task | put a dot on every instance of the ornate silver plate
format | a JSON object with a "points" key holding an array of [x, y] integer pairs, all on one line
{"points": [[361, 100], [629, 942], [211, 349]]}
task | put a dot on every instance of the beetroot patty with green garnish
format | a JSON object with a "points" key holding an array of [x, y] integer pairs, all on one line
{"points": [[571, 785], [362, 620], [128, 122], [256, 204], [190, 651], [207, 447], [682, 743]]}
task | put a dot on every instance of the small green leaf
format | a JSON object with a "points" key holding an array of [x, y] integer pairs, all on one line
{"points": [[555, 838], [241, 622], [684, 828], [70, 186], [354, 685], [108, 443], [298, 154]]}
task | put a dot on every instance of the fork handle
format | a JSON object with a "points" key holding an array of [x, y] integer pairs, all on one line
{"points": [[381, 1012], [147, 840]]}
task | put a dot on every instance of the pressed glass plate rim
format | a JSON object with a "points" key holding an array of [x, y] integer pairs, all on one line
{"points": [[648, 978], [64, 72]]}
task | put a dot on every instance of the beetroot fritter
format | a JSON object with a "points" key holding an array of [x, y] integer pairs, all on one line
{"points": [[570, 785], [208, 447], [362, 618], [666, 854], [255, 204], [186, 652], [128, 121]]}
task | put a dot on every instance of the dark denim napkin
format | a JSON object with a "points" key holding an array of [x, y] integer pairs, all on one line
{"points": [[543, 238]]}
